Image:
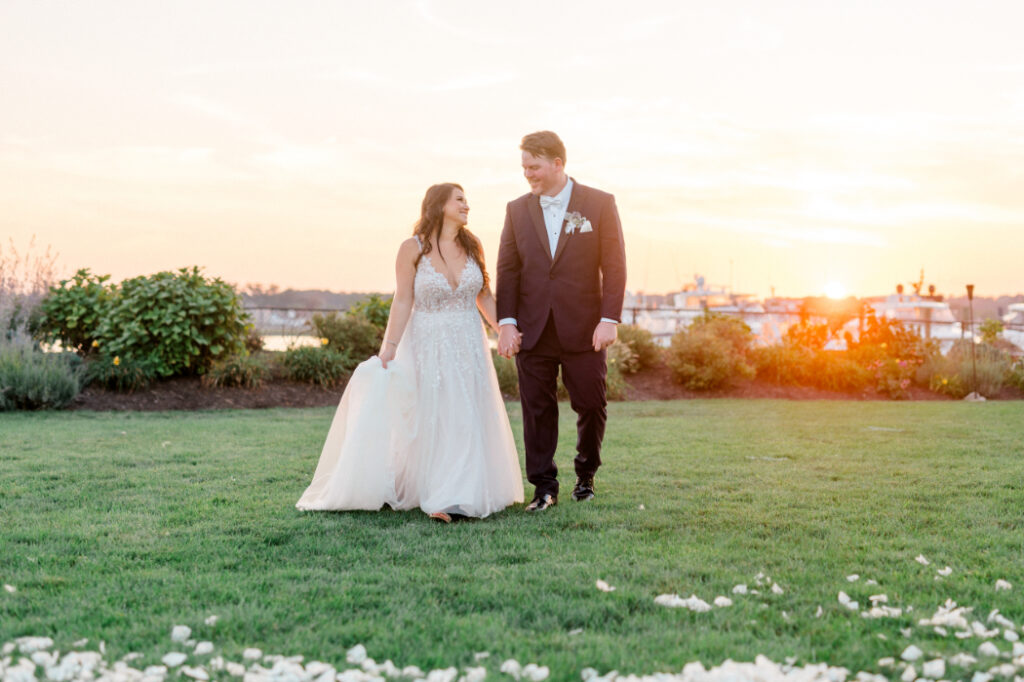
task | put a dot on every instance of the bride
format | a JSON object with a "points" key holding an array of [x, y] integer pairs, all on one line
{"points": [[423, 424]]}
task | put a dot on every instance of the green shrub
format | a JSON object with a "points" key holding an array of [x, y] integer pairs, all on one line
{"points": [[508, 375], [72, 311], [375, 310], [641, 342], [351, 333], [712, 352], [621, 355], [181, 321], [244, 370], [804, 365], [123, 374], [253, 340], [1015, 375], [615, 382], [321, 366], [33, 380]]}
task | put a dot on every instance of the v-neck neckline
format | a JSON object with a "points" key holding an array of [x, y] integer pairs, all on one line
{"points": [[458, 282]]}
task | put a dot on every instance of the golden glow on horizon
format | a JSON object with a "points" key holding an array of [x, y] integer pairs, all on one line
{"points": [[835, 290], [767, 145]]}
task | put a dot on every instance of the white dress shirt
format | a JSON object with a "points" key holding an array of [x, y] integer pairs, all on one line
{"points": [[554, 217]]}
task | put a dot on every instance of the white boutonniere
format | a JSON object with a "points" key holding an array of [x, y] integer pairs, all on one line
{"points": [[574, 222]]}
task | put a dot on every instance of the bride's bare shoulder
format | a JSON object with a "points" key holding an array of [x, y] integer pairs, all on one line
{"points": [[410, 248]]}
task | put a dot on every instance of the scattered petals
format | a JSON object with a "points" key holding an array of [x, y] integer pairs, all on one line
{"points": [[886, 662], [722, 602], [180, 633], [473, 674], [174, 659], [879, 599], [693, 602], [909, 674], [478, 656], [1010, 636], [740, 589], [641, 507], [819, 612], [604, 587], [776, 589], [235, 669], [988, 649], [1003, 585], [934, 669], [945, 572], [844, 599], [256, 654], [870, 581], [511, 667], [575, 631], [921, 560], [10, 588], [203, 648], [963, 660], [852, 578], [911, 653], [535, 673], [212, 620], [195, 673]]}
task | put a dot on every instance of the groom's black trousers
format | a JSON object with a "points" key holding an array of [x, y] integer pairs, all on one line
{"points": [[584, 377]]}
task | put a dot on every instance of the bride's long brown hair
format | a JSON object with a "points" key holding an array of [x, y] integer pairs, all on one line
{"points": [[428, 227]]}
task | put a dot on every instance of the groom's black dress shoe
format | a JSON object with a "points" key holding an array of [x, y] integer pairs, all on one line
{"points": [[542, 502], [584, 489]]}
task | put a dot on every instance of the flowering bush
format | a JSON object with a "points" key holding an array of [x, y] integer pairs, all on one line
{"points": [[125, 374], [72, 311], [712, 352], [646, 352], [351, 333]]}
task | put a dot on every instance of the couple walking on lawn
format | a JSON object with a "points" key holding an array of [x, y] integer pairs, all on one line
{"points": [[423, 424]]}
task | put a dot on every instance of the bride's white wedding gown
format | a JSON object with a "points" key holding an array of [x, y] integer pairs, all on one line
{"points": [[431, 430]]}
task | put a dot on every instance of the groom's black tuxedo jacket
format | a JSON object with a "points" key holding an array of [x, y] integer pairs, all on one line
{"points": [[585, 280]]}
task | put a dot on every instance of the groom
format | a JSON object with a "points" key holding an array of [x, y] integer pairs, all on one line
{"points": [[561, 278]]}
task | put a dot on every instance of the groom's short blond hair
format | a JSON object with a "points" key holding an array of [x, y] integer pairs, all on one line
{"points": [[544, 143]]}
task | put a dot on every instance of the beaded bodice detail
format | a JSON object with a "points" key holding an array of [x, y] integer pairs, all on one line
{"points": [[432, 292]]}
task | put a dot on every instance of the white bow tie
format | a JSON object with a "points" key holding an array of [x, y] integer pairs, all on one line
{"points": [[550, 202]]}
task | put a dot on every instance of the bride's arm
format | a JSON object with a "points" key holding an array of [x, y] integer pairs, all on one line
{"points": [[401, 304], [485, 303]]}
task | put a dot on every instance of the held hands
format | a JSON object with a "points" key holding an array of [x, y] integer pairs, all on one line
{"points": [[604, 335], [509, 340]]}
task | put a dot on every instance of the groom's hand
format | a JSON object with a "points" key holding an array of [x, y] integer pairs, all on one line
{"points": [[604, 335], [509, 339]]}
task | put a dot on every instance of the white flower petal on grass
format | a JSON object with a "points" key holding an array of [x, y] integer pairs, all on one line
{"points": [[158, 671], [475, 674], [235, 669], [412, 672], [870, 581], [27, 645], [641, 507], [253, 654], [442, 675], [981, 677], [909, 674], [739, 589], [981, 631], [999, 619], [963, 660], [10, 588], [604, 587], [575, 631], [536, 673], [879, 599], [1003, 585], [988, 649], [180, 633], [1018, 649], [945, 572], [886, 662], [852, 578], [195, 673], [921, 560], [212, 620], [511, 667], [939, 630], [844, 599], [819, 612], [776, 589], [203, 648], [78, 644], [174, 659], [934, 668], [1010, 635], [906, 632], [481, 655], [587, 673], [911, 653], [1005, 670], [722, 602]]}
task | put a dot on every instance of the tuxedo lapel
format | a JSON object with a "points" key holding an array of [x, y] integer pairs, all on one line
{"points": [[537, 215], [575, 204]]}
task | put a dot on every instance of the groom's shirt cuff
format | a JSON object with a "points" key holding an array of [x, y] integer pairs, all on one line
{"points": [[608, 319], [508, 320]]}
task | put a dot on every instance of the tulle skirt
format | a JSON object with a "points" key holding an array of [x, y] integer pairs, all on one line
{"points": [[430, 431]]}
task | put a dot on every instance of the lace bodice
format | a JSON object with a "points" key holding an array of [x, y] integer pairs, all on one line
{"points": [[432, 293]]}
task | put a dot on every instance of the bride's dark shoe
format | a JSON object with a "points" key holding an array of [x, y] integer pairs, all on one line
{"points": [[584, 489], [542, 502]]}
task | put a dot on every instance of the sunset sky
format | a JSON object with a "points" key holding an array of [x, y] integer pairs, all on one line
{"points": [[761, 143]]}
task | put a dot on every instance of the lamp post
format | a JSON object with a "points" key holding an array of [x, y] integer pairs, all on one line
{"points": [[970, 317]]}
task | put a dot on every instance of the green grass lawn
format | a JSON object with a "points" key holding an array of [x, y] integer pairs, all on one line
{"points": [[117, 526]]}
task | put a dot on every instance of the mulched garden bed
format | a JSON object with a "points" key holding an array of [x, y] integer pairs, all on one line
{"points": [[652, 384]]}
